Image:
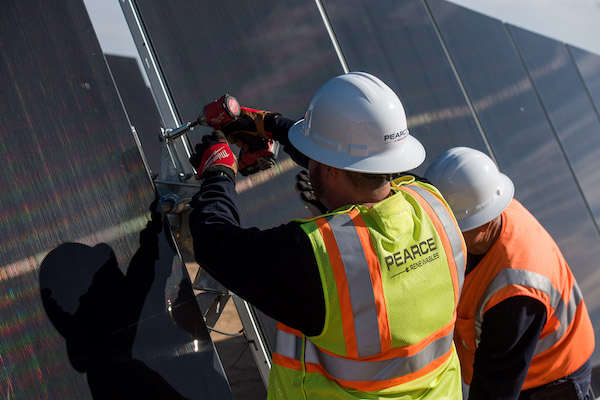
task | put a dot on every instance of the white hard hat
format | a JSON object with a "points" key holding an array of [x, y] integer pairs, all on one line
{"points": [[471, 183], [357, 123]]}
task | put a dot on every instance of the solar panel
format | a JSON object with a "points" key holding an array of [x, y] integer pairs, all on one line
{"points": [[83, 309]]}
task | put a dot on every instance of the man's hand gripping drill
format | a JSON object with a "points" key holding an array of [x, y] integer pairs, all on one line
{"points": [[243, 127]]}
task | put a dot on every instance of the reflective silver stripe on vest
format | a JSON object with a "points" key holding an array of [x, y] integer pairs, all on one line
{"points": [[564, 313], [454, 236], [290, 345], [360, 288]]}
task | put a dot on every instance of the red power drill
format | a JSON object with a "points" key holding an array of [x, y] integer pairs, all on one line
{"points": [[220, 112], [261, 153]]}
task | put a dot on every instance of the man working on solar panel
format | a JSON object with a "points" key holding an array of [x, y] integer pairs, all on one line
{"points": [[523, 330], [365, 296]]}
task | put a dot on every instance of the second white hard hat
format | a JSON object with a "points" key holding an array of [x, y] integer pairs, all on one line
{"points": [[357, 123], [476, 191]]}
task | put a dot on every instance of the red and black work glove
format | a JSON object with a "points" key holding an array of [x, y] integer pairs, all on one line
{"points": [[251, 124], [307, 192], [213, 157]]}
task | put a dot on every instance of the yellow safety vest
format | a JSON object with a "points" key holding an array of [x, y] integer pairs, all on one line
{"points": [[391, 277]]}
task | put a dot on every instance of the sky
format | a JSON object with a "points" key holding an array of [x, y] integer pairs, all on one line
{"points": [[111, 27], [575, 22]]}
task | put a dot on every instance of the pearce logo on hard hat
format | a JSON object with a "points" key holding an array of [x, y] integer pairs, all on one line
{"points": [[395, 137]]}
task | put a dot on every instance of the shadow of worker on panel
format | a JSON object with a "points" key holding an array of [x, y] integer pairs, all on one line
{"points": [[96, 308]]}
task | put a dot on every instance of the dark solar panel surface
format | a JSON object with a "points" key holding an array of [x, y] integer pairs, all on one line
{"points": [[91, 318]]}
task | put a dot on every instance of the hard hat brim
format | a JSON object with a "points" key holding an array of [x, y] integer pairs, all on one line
{"points": [[507, 191], [401, 157]]}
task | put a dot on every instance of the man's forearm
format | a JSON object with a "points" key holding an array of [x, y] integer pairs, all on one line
{"points": [[279, 126], [509, 334], [273, 269]]}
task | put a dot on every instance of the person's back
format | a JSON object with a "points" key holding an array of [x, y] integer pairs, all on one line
{"points": [[522, 322], [525, 261], [391, 276]]}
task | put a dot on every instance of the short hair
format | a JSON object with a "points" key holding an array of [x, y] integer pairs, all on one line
{"points": [[367, 182]]}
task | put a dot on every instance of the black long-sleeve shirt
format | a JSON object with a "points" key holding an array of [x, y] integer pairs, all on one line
{"points": [[275, 269], [509, 334]]}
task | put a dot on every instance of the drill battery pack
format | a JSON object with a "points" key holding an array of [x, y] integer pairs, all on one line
{"points": [[261, 157]]}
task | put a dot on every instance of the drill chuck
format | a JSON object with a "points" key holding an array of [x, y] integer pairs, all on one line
{"points": [[220, 112], [176, 132]]}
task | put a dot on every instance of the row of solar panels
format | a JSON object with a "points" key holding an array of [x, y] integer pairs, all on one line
{"points": [[73, 171]]}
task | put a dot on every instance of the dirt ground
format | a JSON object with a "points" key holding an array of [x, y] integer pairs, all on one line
{"points": [[237, 359]]}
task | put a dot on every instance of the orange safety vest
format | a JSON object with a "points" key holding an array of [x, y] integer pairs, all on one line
{"points": [[525, 261], [365, 351]]}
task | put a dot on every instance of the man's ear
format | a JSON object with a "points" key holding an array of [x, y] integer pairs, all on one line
{"points": [[484, 227]]}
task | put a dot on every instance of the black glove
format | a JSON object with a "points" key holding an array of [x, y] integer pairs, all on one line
{"points": [[213, 157], [307, 193]]}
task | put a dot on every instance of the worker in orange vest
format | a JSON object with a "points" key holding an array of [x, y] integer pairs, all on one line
{"points": [[523, 330]]}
